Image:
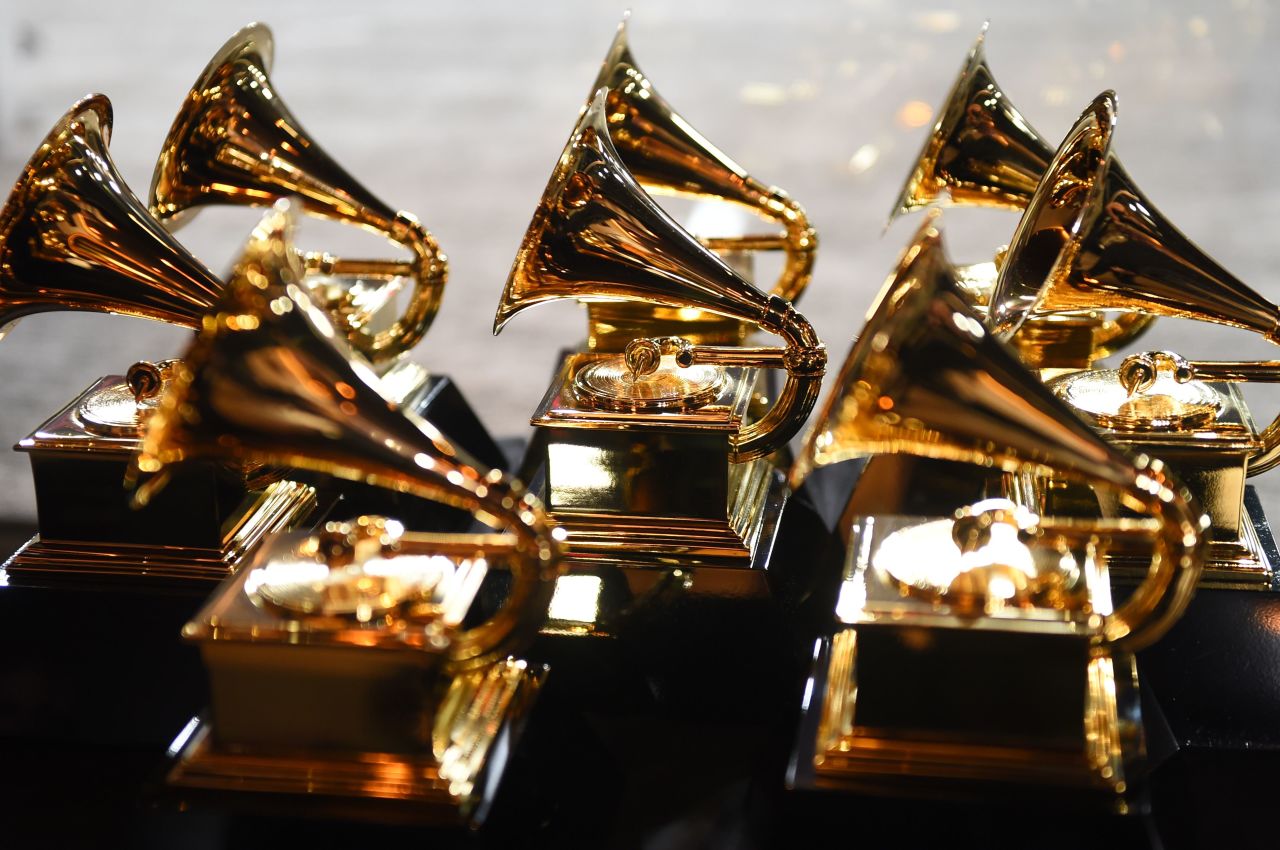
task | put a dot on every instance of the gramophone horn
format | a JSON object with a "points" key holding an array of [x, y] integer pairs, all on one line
{"points": [[235, 142], [597, 235], [981, 151], [925, 378], [1090, 240], [269, 381], [73, 237], [667, 156]]}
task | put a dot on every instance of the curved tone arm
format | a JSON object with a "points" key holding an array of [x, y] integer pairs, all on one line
{"points": [[804, 358], [1138, 373]]}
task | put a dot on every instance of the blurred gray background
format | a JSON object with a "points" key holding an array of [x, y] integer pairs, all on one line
{"points": [[457, 112]]}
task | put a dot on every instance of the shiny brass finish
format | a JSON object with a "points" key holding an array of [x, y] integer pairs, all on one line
{"points": [[983, 647], [668, 157], [983, 152], [73, 237], [215, 518], [654, 488], [360, 617], [1091, 241], [269, 381], [235, 142], [925, 378], [598, 235], [1102, 398], [1162, 405]]}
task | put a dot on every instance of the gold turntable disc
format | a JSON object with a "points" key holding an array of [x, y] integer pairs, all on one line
{"points": [[1168, 405], [611, 383], [113, 411], [372, 588]]}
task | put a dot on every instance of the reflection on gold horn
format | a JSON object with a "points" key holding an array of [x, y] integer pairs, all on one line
{"points": [[926, 378], [597, 235], [1090, 240], [73, 237], [981, 151], [235, 142], [269, 381], [667, 156]]}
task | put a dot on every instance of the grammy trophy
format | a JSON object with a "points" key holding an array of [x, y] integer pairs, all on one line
{"points": [[362, 618], [235, 142], [983, 152], [980, 648], [650, 460], [73, 237], [667, 156], [1090, 240]]}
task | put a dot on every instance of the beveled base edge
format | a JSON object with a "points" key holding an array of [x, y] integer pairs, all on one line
{"points": [[743, 541], [376, 787], [282, 505], [897, 768], [1249, 563]]}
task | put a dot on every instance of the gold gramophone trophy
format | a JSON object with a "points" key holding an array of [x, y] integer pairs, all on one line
{"points": [[343, 679], [668, 157], [1090, 240], [650, 461], [235, 142], [983, 152], [981, 649], [73, 237]]}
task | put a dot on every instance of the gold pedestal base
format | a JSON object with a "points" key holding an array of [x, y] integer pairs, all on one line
{"points": [[472, 740], [279, 506], [836, 753], [740, 541]]}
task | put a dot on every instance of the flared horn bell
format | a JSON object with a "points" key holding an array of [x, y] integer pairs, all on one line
{"points": [[926, 378], [74, 237], [667, 156], [981, 151], [597, 235], [1090, 240], [236, 142], [268, 380]]}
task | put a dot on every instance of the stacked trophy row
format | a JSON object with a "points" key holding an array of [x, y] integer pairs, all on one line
{"points": [[1021, 520]]}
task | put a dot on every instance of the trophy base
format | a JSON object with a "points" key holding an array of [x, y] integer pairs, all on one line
{"points": [[373, 786], [733, 553], [1240, 564], [834, 753], [280, 506]]}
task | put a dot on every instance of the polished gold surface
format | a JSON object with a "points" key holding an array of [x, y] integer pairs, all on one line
{"points": [[1091, 241], [235, 142], [926, 378], [73, 237], [646, 488], [1166, 405], [612, 383], [668, 157], [270, 381], [598, 235], [983, 152], [1212, 442], [438, 786]]}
